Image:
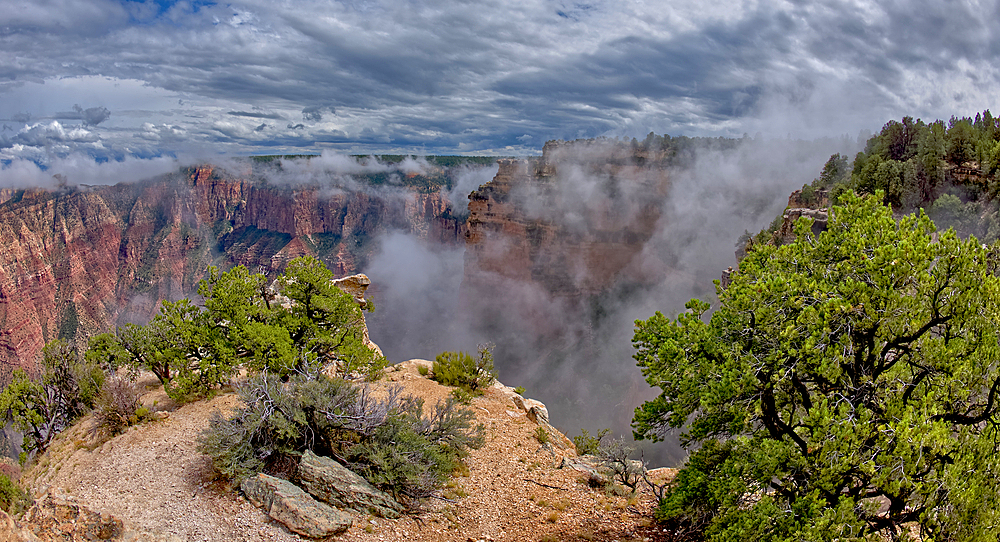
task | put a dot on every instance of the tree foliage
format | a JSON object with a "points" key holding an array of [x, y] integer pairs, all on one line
{"points": [[64, 390], [914, 163], [845, 387], [244, 322]]}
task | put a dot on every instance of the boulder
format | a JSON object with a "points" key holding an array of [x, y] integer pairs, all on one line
{"points": [[296, 509], [589, 465], [536, 412], [330, 482]]}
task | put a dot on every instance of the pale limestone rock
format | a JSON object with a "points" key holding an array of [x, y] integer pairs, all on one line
{"points": [[539, 414]]}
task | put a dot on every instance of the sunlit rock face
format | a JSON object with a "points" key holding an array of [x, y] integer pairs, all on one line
{"points": [[74, 262]]}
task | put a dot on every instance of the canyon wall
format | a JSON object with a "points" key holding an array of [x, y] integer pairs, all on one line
{"points": [[556, 248], [572, 223], [74, 262]]}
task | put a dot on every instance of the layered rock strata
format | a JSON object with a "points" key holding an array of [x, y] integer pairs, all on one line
{"points": [[75, 261]]}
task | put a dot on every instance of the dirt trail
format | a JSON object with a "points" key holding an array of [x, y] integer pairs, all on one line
{"points": [[153, 477]]}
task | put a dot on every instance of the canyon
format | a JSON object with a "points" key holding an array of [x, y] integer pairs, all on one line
{"points": [[551, 259], [77, 261]]}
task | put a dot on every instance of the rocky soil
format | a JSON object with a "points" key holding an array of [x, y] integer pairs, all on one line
{"points": [[154, 479]]}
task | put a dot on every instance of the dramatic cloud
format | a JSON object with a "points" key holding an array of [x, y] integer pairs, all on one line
{"points": [[413, 77]]}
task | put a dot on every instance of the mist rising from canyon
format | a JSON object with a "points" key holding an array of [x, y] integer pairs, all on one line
{"points": [[558, 310], [575, 353]]}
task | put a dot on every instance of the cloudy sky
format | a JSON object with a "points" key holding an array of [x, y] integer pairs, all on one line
{"points": [[116, 79]]}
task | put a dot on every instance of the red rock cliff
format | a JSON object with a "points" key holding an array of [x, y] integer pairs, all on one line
{"points": [[75, 262]]}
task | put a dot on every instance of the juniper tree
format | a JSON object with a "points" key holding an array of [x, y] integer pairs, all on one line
{"points": [[845, 387]]}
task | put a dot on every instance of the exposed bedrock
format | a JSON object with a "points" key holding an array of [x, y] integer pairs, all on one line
{"points": [[75, 262]]}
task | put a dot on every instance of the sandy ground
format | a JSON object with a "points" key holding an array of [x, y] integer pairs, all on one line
{"points": [[153, 477]]}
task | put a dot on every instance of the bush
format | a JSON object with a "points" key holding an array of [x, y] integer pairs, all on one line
{"points": [[462, 396], [13, 499], [614, 456], [589, 445], [464, 371], [118, 407], [387, 441]]}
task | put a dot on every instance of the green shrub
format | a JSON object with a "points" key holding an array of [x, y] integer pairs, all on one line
{"points": [[541, 435], [388, 441], [423, 370], [462, 396], [589, 445], [519, 390], [464, 371], [13, 499]]}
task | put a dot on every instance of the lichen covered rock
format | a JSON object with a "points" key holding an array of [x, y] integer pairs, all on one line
{"points": [[296, 509], [330, 482]]}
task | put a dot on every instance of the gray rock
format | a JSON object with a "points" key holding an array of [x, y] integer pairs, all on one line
{"points": [[287, 503], [330, 482]]}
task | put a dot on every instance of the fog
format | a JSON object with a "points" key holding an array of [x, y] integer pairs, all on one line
{"points": [[577, 357]]}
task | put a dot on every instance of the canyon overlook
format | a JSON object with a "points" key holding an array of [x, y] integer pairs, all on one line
{"points": [[76, 261], [552, 257]]}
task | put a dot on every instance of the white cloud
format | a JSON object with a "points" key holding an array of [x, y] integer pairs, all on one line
{"points": [[81, 169]]}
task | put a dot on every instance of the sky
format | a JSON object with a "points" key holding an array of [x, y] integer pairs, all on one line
{"points": [[119, 80]]}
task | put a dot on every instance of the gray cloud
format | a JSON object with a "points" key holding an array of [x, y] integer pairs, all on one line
{"points": [[566, 354], [255, 115], [315, 113], [506, 76], [92, 116]]}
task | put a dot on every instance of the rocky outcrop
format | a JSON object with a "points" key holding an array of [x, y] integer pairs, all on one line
{"points": [[296, 509], [74, 262], [356, 286], [536, 412], [12, 531], [58, 517], [337, 486], [815, 208]]}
